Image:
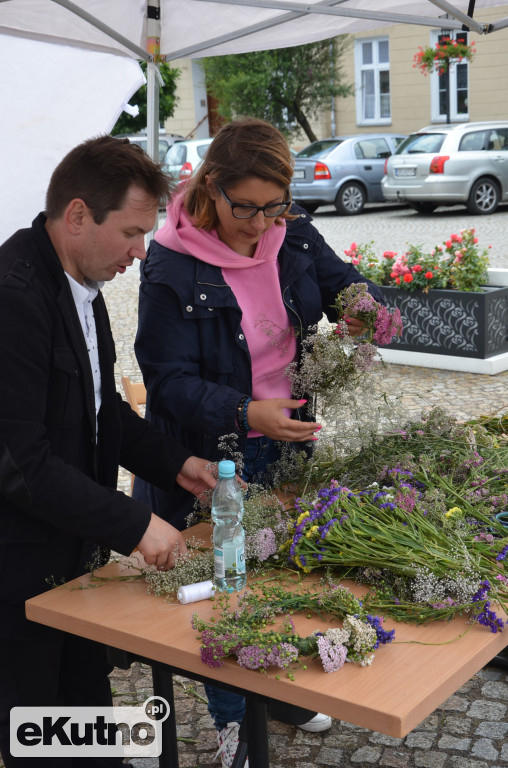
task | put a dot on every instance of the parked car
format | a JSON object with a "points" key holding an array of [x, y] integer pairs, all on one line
{"points": [[345, 171], [183, 157], [165, 141], [449, 165]]}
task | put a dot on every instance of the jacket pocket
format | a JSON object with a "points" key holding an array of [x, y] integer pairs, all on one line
{"points": [[65, 385]]}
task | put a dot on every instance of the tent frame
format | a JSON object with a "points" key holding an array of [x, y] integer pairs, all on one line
{"points": [[455, 19]]}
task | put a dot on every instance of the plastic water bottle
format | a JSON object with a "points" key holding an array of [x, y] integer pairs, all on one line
{"points": [[228, 533]]}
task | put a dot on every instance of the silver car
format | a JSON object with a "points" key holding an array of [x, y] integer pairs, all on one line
{"points": [[450, 165], [345, 171]]}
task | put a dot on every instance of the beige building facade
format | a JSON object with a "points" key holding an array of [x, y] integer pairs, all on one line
{"points": [[191, 114], [391, 95]]}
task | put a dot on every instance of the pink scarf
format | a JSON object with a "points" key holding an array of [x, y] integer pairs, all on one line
{"points": [[265, 323], [179, 234]]}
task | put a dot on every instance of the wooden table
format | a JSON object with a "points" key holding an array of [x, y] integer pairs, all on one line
{"points": [[407, 681]]}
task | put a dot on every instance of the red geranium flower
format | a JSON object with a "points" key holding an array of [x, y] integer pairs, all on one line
{"points": [[429, 275], [408, 278]]}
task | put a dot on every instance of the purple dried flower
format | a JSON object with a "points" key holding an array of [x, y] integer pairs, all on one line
{"points": [[333, 656]]}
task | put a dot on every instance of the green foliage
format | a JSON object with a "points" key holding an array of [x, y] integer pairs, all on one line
{"points": [[286, 86], [167, 102]]}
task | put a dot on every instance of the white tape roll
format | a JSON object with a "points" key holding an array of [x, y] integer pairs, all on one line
{"points": [[203, 590]]}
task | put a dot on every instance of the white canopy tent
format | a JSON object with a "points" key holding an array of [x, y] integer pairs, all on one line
{"points": [[69, 66]]}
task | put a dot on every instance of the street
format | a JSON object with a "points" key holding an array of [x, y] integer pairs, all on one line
{"points": [[394, 227]]}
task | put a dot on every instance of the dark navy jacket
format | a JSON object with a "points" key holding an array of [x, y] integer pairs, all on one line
{"points": [[191, 349]]}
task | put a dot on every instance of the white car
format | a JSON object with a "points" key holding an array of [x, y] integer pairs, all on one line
{"points": [[165, 141], [183, 157]]}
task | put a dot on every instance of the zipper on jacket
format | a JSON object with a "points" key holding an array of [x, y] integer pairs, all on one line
{"points": [[293, 310]]}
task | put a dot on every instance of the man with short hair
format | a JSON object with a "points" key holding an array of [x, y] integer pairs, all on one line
{"points": [[64, 430]]}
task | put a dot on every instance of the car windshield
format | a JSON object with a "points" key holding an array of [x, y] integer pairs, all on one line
{"points": [[319, 148], [420, 143]]}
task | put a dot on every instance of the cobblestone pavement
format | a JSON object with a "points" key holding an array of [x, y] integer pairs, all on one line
{"points": [[470, 730]]}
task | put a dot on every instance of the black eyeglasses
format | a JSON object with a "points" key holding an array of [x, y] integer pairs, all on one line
{"points": [[240, 211]]}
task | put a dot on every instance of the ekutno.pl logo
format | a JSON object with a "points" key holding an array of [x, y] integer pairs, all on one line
{"points": [[89, 731]]}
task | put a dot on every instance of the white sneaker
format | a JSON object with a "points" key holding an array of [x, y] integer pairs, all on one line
{"points": [[318, 723], [227, 739]]}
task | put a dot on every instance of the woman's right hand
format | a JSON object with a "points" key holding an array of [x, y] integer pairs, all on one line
{"points": [[268, 418]]}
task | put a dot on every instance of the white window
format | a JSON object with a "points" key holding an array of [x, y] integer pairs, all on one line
{"points": [[452, 86], [372, 60]]}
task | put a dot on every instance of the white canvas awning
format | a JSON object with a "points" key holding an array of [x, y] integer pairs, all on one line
{"points": [[68, 66]]}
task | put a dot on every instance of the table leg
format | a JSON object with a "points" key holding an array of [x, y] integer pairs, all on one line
{"points": [[257, 731], [163, 686]]}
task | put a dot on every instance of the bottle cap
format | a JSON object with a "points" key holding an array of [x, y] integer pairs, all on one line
{"points": [[226, 468]]}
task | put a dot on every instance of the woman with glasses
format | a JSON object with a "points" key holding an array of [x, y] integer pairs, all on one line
{"points": [[229, 288]]}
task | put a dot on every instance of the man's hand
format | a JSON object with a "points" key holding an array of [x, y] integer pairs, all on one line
{"points": [[268, 417], [195, 476], [160, 542]]}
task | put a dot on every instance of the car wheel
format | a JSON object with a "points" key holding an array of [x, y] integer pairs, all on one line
{"points": [[424, 207], [309, 207], [484, 197], [350, 199]]}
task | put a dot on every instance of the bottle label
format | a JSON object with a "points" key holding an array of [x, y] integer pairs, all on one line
{"points": [[219, 567], [240, 559], [229, 560]]}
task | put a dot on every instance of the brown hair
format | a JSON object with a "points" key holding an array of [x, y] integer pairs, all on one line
{"points": [[243, 148], [100, 172]]}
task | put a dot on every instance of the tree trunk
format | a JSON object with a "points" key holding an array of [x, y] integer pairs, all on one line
{"points": [[303, 122]]}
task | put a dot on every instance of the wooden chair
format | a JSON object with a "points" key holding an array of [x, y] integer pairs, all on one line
{"points": [[135, 394]]}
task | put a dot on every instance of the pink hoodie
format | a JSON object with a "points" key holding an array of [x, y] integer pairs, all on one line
{"points": [[265, 322]]}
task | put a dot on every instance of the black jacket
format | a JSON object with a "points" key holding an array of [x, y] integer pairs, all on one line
{"points": [[57, 481], [192, 352]]}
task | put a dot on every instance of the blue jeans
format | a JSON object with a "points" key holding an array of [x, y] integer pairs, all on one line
{"points": [[224, 706]]}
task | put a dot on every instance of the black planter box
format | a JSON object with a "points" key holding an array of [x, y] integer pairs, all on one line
{"points": [[447, 322]]}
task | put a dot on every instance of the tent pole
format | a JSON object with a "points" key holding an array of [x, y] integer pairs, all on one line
{"points": [[153, 78]]}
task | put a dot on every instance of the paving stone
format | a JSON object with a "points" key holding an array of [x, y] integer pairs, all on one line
{"points": [[495, 690], [328, 756], [452, 742], [495, 730], [366, 755], [458, 725], [382, 738], [465, 762], [504, 753], [490, 673], [486, 710], [484, 748], [395, 759], [429, 759], [420, 739], [455, 703]]}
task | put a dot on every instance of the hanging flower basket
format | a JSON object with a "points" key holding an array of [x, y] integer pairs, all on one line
{"points": [[444, 53]]}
